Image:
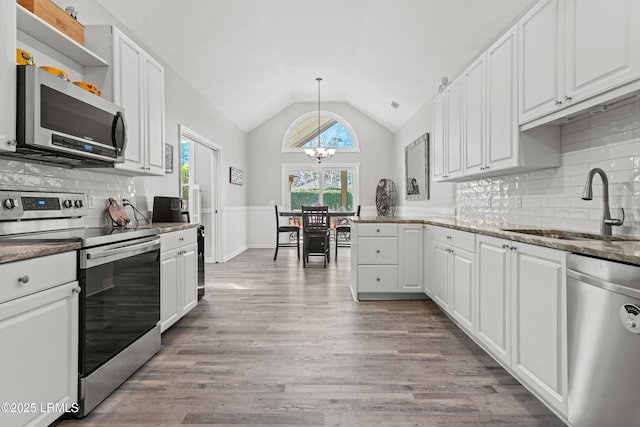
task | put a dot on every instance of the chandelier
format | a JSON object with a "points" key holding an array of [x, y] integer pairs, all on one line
{"points": [[319, 153]]}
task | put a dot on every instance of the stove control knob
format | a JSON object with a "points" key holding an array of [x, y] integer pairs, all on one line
{"points": [[67, 204], [78, 203], [10, 203]]}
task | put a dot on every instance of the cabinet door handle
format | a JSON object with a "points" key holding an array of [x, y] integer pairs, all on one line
{"points": [[505, 246], [377, 279], [24, 279], [558, 102], [514, 248], [567, 98], [377, 251], [448, 237], [76, 290]]}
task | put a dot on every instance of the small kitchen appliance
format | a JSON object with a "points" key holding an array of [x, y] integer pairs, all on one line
{"points": [[169, 209]]}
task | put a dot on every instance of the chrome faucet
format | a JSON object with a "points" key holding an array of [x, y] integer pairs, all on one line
{"points": [[587, 194]]}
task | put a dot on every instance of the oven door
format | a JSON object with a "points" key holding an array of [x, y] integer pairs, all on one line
{"points": [[120, 298]]}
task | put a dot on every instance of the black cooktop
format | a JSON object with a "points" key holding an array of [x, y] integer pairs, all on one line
{"points": [[89, 236]]}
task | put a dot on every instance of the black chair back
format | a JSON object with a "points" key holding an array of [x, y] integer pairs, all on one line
{"points": [[315, 219]]}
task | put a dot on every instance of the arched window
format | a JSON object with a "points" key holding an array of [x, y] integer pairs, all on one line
{"points": [[335, 132]]}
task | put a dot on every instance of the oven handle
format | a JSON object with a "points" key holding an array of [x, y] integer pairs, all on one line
{"points": [[102, 255]]}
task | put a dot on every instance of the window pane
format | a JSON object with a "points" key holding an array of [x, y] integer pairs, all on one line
{"points": [[338, 189], [304, 188], [332, 134]]}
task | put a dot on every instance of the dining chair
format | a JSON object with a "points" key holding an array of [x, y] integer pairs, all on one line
{"points": [[315, 233], [345, 230], [286, 229]]}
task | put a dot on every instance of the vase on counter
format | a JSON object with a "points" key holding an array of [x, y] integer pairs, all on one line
{"points": [[386, 197]]}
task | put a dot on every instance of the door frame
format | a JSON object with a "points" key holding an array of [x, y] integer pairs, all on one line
{"points": [[216, 187]]}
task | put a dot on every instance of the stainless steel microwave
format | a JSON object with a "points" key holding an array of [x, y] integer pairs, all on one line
{"points": [[59, 122]]}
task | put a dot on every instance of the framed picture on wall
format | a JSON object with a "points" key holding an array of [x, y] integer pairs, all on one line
{"points": [[168, 158], [236, 176]]}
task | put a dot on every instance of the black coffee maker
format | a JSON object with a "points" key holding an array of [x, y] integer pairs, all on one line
{"points": [[169, 209]]}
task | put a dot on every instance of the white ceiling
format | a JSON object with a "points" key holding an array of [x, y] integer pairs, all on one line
{"points": [[253, 58]]}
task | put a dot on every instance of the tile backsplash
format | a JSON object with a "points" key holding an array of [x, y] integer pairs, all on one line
{"points": [[99, 186], [552, 197]]}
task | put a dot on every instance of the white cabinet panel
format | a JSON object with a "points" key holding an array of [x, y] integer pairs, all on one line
{"points": [[7, 76], [178, 275], [377, 250], [541, 76], [462, 280], [377, 278], [474, 110], [603, 45], [39, 357], [410, 257], [453, 152], [440, 274], [502, 121], [539, 324], [439, 135], [493, 300]]}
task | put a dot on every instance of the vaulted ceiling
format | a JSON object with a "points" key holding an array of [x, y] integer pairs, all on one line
{"points": [[253, 58]]}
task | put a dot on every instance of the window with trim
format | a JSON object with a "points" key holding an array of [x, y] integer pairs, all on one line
{"points": [[335, 132], [333, 185]]}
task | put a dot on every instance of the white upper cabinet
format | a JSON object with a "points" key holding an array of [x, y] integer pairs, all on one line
{"points": [[135, 81], [541, 63], [7, 76], [474, 133], [448, 132], [502, 125], [571, 51]]}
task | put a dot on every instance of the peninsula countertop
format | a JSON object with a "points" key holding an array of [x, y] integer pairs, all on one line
{"points": [[619, 250]]}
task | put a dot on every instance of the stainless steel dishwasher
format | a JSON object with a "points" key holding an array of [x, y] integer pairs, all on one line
{"points": [[603, 301]]}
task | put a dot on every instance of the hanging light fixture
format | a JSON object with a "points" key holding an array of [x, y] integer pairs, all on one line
{"points": [[319, 153]]}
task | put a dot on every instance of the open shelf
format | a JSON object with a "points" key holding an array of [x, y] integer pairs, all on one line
{"points": [[47, 34]]}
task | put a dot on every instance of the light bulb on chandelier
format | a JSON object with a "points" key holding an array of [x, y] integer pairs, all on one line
{"points": [[319, 153]]}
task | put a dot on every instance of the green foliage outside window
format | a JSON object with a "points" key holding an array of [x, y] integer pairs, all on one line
{"points": [[330, 197]]}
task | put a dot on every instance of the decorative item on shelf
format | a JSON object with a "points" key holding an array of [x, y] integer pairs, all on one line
{"points": [[444, 82], [57, 72], [386, 197], [236, 176], [319, 153], [53, 15], [89, 87], [24, 58], [72, 12]]}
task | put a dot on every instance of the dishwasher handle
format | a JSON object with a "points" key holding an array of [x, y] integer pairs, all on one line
{"points": [[604, 284]]}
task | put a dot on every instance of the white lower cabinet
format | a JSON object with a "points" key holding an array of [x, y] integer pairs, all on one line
{"points": [[521, 313], [453, 273], [178, 275], [386, 259], [39, 335]]}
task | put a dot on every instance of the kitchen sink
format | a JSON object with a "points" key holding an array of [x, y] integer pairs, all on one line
{"points": [[570, 235]]}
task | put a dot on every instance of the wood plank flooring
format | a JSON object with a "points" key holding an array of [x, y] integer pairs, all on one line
{"points": [[273, 344]]}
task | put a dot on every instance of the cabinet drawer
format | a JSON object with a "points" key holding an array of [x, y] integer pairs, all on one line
{"points": [[377, 250], [175, 239], [456, 238], [37, 274], [377, 278], [375, 230]]}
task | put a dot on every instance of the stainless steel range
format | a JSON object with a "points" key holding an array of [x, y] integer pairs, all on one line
{"points": [[119, 275]]}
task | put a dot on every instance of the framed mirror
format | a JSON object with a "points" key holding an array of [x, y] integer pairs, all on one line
{"points": [[416, 168]]}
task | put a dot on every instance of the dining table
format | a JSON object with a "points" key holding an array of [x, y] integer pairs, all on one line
{"points": [[332, 214]]}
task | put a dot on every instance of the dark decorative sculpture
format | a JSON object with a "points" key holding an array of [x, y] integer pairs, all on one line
{"points": [[386, 197]]}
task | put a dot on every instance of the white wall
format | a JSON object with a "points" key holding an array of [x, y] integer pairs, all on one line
{"points": [[183, 105], [265, 159], [441, 201]]}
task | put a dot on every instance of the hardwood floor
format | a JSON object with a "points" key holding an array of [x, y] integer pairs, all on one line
{"points": [[273, 344]]}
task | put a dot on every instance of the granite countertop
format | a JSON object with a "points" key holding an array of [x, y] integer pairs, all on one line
{"points": [[624, 251], [167, 227], [17, 251]]}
